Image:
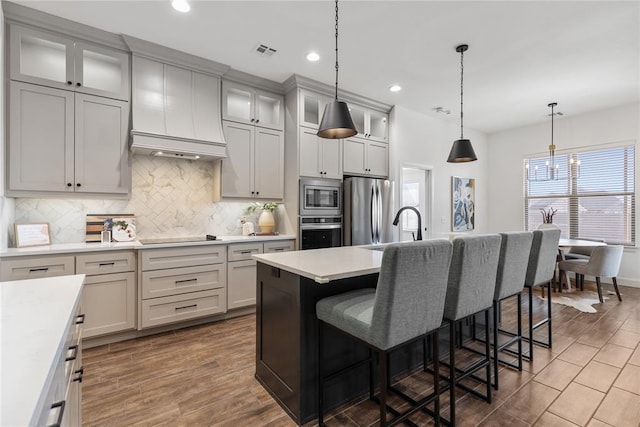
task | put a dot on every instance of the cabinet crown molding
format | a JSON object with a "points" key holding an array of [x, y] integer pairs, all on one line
{"points": [[174, 57], [297, 81], [15, 13]]}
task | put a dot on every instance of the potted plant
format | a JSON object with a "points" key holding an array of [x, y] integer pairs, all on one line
{"points": [[266, 222]]}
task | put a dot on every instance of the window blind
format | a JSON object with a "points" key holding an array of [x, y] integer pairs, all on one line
{"points": [[593, 191]]}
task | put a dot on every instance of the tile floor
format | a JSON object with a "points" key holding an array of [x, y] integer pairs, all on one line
{"points": [[203, 376]]}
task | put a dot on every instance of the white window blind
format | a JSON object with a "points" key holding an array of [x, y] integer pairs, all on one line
{"points": [[595, 201]]}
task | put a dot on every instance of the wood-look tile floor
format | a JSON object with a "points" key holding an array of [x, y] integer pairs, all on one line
{"points": [[204, 376]]}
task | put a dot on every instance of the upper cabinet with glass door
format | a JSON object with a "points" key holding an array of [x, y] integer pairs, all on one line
{"points": [[245, 104], [371, 124], [51, 60]]}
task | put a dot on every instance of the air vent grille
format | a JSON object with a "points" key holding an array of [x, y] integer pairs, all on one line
{"points": [[264, 50]]}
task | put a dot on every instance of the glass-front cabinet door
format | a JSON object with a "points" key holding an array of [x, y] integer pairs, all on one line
{"points": [[101, 71], [378, 126], [270, 110], [358, 115], [41, 58], [237, 103]]}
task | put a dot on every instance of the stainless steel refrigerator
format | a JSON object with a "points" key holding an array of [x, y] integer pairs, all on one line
{"points": [[368, 211]]}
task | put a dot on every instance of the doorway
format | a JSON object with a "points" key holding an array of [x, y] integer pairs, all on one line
{"points": [[416, 191]]}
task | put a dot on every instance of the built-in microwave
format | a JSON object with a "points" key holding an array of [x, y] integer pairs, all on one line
{"points": [[320, 197]]}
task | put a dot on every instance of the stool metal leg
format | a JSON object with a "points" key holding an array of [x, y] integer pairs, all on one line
{"points": [[436, 375], [382, 360], [452, 373], [487, 349], [495, 343], [519, 334], [320, 376], [549, 313], [531, 323]]}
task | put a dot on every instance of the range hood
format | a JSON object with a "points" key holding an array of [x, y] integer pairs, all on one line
{"points": [[175, 104]]}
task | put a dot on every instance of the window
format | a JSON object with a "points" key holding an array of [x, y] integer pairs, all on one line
{"points": [[596, 200]]}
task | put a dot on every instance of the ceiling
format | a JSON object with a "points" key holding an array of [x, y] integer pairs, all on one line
{"points": [[585, 55]]}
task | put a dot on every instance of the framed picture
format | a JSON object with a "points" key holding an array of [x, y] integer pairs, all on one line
{"points": [[32, 235], [463, 213]]}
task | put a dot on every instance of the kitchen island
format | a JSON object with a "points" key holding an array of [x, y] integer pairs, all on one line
{"points": [[288, 287]]}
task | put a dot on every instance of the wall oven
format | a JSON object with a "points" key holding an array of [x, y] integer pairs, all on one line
{"points": [[320, 197], [320, 232]]}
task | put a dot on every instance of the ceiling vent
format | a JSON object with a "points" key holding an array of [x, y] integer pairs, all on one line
{"points": [[264, 50]]}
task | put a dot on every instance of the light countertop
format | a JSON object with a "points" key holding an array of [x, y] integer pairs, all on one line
{"points": [[36, 314], [325, 265], [64, 248]]}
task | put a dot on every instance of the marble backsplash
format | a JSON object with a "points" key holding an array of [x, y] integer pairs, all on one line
{"points": [[170, 198]]}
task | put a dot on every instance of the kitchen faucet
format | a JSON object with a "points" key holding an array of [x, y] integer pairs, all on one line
{"points": [[395, 221]]}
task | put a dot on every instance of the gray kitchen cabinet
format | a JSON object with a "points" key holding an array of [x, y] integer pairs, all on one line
{"points": [[53, 60], [182, 283], [319, 157], [311, 109], [252, 106], [364, 157], [34, 267], [109, 295], [254, 166], [79, 144]]}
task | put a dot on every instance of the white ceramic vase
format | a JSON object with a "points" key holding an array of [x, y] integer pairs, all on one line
{"points": [[266, 221]]}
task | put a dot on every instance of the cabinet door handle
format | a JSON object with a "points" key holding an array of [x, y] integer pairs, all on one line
{"points": [[245, 252], [69, 82], [104, 264], [257, 120], [78, 185], [78, 84], [252, 120], [80, 319], [33, 270], [74, 353], [187, 306], [257, 192], [80, 373], [278, 249], [186, 280], [60, 405], [69, 184]]}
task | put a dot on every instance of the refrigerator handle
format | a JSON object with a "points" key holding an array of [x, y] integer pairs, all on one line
{"points": [[372, 215], [378, 211]]}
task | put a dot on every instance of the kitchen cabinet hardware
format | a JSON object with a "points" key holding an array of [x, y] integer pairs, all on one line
{"points": [[252, 120], [69, 82], [278, 249], [245, 252], [80, 373], [74, 353], [195, 279], [80, 319], [78, 84], [104, 264], [78, 185], [69, 184], [61, 406], [187, 306], [33, 270]]}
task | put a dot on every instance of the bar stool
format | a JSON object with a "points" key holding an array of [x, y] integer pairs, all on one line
{"points": [[512, 268], [540, 271], [470, 290], [407, 304]]}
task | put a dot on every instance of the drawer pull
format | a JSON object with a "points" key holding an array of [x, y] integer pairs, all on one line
{"points": [[80, 319], [187, 306], [33, 270], [104, 264], [80, 373], [74, 353], [186, 280], [60, 405], [245, 252], [278, 249]]}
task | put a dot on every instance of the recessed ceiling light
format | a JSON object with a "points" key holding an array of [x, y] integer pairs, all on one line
{"points": [[313, 57], [181, 6], [395, 88]]}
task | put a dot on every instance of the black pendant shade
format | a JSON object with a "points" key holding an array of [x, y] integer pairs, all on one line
{"points": [[336, 122], [461, 152]]}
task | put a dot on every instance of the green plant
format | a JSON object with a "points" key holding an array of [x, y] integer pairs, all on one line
{"points": [[267, 206]]}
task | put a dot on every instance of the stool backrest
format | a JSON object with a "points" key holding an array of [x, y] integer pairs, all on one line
{"points": [[512, 265], [542, 260], [472, 277], [411, 290], [605, 261]]}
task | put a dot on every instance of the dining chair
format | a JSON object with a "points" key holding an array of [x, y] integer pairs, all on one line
{"points": [[603, 262], [580, 252], [407, 304]]}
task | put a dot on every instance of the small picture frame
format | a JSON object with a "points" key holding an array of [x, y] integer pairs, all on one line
{"points": [[32, 235]]}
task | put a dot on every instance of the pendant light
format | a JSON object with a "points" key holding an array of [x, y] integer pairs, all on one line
{"points": [[336, 121], [552, 168], [461, 151]]}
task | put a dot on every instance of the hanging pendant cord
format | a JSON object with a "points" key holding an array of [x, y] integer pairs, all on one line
{"points": [[336, 50], [552, 150], [461, 93]]}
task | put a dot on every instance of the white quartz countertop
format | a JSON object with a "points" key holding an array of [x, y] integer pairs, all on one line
{"points": [[34, 320], [325, 265], [63, 248]]}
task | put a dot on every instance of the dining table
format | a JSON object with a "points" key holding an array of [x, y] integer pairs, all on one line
{"points": [[565, 244]]}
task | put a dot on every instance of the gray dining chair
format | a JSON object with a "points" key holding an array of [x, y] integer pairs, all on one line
{"points": [[407, 304], [580, 252], [603, 262]]}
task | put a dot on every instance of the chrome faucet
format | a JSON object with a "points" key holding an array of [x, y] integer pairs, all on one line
{"points": [[395, 221]]}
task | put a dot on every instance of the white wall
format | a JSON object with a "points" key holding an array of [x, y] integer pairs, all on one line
{"points": [[506, 151], [420, 140]]}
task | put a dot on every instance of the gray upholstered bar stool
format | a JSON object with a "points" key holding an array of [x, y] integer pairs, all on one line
{"points": [[603, 262], [540, 270], [407, 304], [470, 289], [512, 268]]}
